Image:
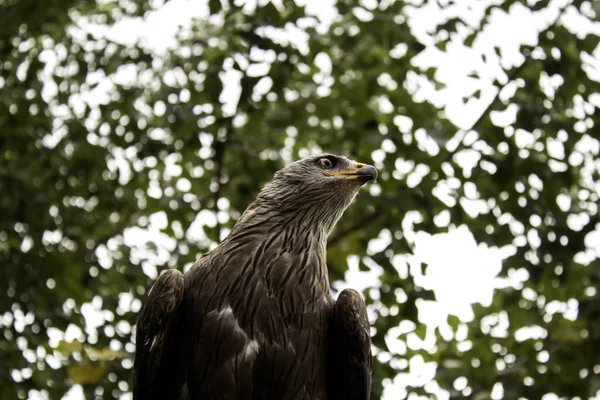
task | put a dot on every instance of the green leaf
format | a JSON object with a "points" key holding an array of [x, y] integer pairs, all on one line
{"points": [[453, 321], [421, 331], [214, 6]]}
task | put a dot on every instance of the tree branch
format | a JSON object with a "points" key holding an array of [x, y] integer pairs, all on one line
{"points": [[358, 224], [514, 74], [368, 218]]}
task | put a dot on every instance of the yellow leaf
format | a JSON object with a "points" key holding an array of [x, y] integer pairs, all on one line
{"points": [[69, 347], [86, 374], [104, 354]]}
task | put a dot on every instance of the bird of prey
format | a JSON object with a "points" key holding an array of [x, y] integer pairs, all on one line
{"points": [[254, 318]]}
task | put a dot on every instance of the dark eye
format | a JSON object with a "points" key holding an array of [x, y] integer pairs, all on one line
{"points": [[326, 162]]}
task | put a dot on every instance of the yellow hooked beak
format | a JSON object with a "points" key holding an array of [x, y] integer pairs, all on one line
{"points": [[365, 172]]}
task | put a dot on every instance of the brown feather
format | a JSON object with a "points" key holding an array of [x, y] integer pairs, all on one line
{"points": [[255, 314]]}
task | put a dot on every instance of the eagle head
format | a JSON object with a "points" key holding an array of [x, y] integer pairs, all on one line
{"points": [[315, 189]]}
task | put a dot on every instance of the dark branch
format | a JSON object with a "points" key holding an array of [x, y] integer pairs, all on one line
{"points": [[358, 224], [367, 219], [514, 74]]}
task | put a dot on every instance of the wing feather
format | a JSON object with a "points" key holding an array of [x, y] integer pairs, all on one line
{"points": [[350, 360], [158, 371]]}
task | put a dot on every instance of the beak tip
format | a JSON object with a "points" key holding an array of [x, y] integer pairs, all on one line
{"points": [[369, 170]]}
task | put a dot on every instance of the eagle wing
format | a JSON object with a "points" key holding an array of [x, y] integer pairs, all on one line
{"points": [[158, 371], [350, 360]]}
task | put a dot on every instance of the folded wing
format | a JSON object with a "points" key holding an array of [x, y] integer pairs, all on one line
{"points": [[158, 369], [349, 356]]}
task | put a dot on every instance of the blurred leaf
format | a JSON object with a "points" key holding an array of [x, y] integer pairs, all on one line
{"points": [[86, 374], [104, 354], [69, 347]]}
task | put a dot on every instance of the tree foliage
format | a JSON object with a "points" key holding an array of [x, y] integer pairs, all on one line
{"points": [[101, 138]]}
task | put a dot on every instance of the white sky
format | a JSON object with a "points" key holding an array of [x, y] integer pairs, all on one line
{"points": [[460, 271]]}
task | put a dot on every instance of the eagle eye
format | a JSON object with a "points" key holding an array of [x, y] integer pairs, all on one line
{"points": [[326, 162]]}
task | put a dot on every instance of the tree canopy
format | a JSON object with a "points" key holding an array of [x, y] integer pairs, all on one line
{"points": [[103, 136]]}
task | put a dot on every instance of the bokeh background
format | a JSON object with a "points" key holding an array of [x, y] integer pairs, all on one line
{"points": [[134, 133]]}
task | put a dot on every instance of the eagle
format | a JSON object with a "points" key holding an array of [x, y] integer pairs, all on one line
{"points": [[254, 318]]}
